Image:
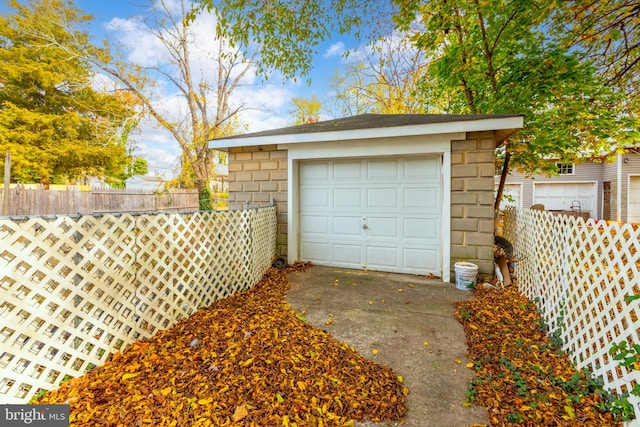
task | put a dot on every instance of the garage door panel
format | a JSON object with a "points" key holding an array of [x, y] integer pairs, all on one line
{"points": [[382, 198], [427, 229], [382, 170], [347, 171], [315, 197], [421, 169], [314, 172], [634, 189], [347, 226], [347, 198], [314, 225], [427, 198], [384, 228], [633, 202], [316, 251], [511, 195], [383, 257], [584, 191], [350, 254], [420, 259]]}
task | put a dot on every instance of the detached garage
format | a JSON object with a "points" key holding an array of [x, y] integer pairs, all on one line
{"points": [[379, 213], [398, 193]]}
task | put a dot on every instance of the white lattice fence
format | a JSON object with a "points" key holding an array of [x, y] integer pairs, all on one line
{"points": [[580, 272], [74, 290]]}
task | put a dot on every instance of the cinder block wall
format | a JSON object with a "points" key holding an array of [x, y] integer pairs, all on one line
{"points": [[256, 175], [472, 214]]}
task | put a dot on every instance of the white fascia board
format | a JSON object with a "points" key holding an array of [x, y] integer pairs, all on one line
{"points": [[383, 132], [421, 144]]}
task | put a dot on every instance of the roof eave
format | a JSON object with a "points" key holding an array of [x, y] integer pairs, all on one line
{"points": [[504, 127], [503, 134]]}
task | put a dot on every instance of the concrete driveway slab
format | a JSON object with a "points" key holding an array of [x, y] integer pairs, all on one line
{"points": [[409, 321]]}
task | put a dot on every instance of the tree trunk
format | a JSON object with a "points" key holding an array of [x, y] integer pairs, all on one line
{"points": [[204, 195], [503, 179]]}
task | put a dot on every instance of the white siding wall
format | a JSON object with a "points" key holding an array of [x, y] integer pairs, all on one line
{"points": [[583, 172]]}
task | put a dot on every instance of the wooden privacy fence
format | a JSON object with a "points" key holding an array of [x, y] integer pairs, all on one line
{"points": [[39, 201], [75, 290], [580, 272]]}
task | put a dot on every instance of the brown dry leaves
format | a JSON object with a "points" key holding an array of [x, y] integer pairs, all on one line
{"points": [[247, 360], [520, 378]]}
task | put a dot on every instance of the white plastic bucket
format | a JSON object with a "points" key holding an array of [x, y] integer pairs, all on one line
{"points": [[466, 274]]}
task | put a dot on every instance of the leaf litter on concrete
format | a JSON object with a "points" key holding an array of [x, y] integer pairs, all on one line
{"points": [[247, 360], [522, 377]]}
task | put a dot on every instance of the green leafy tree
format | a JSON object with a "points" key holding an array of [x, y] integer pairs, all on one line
{"points": [[497, 56], [205, 99], [289, 31], [140, 166], [185, 176], [57, 127], [607, 33]]}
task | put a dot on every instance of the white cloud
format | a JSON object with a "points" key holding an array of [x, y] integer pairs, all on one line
{"points": [[336, 49], [134, 38], [265, 103]]}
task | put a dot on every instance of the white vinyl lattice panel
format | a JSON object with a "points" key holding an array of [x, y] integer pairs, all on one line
{"points": [[580, 272], [75, 290]]}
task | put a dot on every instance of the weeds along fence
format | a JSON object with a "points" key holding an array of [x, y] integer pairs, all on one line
{"points": [[76, 289], [580, 272], [40, 201]]}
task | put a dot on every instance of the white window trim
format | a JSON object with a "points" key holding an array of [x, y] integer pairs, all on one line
{"points": [[559, 165]]}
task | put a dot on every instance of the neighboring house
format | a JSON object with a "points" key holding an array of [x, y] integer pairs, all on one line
{"points": [[144, 183], [609, 191], [399, 193]]}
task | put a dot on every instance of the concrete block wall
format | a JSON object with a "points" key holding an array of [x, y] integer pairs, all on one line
{"points": [[472, 214], [257, 175]]}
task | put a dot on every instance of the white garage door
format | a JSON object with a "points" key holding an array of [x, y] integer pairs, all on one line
{"points": [[563, 195], [380, 214], [633, 204], [511, 196]]}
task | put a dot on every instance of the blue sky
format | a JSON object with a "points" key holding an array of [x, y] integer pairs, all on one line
{"points": [[272, 99]]}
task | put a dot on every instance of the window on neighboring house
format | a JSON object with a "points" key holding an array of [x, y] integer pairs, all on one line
{"points": [[565, 168], [498, 169]]}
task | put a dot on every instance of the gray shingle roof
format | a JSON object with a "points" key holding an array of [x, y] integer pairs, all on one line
{"points": [[371, 121]]}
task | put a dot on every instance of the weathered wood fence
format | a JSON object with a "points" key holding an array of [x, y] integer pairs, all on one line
{"points": [[579, 272], [40, 201], [76, 289]]}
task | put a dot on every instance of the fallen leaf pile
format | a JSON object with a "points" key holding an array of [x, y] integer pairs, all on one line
{"points": [[521, 378], [248, 360]]}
